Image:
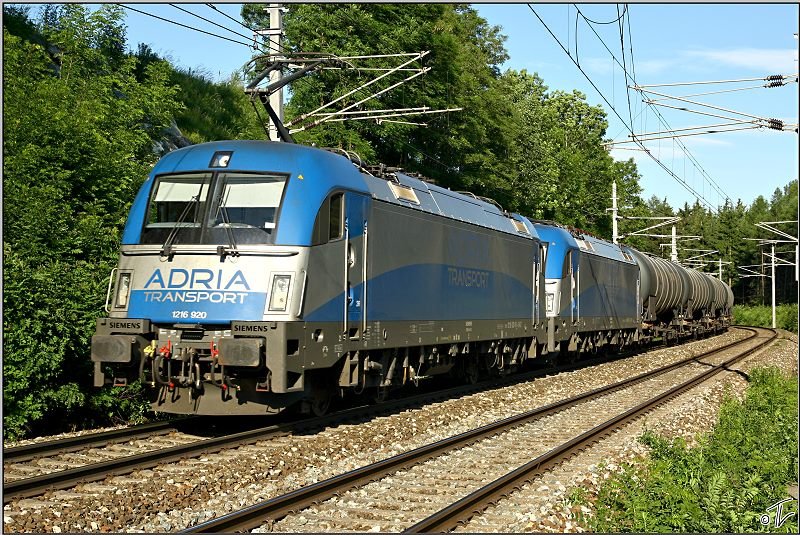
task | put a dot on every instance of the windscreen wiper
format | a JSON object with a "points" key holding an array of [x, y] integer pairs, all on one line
{"points": [[226, 222], [166, 249]]}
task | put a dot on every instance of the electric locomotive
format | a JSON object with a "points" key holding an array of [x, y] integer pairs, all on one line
{"points": [[258, 275], [591, 291]]}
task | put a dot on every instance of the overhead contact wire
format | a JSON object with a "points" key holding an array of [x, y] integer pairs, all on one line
{"points": [[210, 21], [765, 78], [661, 118], [625, 63], [647, 151], [248, 45], [237, 21], [625, 8]]}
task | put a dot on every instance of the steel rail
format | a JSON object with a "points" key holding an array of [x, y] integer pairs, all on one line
{"points": [[276, 508], [476, 502], [65, 445], [62, 479]]}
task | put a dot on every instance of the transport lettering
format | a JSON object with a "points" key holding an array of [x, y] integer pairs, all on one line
{"points": [[468, 278], [193, 296]]}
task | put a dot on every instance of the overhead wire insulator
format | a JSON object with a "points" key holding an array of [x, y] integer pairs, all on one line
{"points": [[775, 124], [774, 77], [775, 84]]}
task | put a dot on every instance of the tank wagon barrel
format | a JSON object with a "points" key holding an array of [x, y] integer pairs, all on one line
{"points": [[700, 296], [664, 285]]}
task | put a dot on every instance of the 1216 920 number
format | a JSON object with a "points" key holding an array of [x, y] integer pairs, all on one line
{"points": [[186, 314]]}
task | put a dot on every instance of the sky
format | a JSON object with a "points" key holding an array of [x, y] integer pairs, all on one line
{"points": [[666, 43]]}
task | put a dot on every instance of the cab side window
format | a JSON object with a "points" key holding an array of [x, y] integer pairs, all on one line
{"points": [[329, 224], [567, 271], [336, 219]]}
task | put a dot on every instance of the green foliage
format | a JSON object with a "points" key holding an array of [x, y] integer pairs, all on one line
{"points": [[761, 316], [535, 152], [121, 405], [214, 111], [78, 134], [724, 484]]}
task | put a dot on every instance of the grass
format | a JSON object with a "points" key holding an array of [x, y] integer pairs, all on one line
{"points": [[214, 111], [761, 316], [725, 484]]}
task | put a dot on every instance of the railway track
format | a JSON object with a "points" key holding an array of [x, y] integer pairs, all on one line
{"points": [[49, 448], [33, 469], [439, 485]]}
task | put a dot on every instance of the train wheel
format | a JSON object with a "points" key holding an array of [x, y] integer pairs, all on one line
{"points": [[565, 355], [471, 372], [320, 397], [381, 394], [321, 404]]}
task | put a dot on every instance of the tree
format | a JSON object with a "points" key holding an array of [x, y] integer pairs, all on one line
{"points": [[77, 140], [458, 149], [535, 152]]}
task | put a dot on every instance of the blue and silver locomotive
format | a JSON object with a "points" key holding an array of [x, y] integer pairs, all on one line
{"points": [[254, 276]]}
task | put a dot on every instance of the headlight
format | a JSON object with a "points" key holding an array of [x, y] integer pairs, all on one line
{"points": [[280, 292], [123, 289], [550, 299]]}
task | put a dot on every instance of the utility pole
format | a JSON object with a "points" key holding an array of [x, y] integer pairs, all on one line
{"points": [[275, 34], [787, 238], [772, 257], [275, 42], [614, 230], [674, 255]]}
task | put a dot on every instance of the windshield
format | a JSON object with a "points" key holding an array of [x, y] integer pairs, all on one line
{"points": [[175, 194], [213, 208], [248, 201]]}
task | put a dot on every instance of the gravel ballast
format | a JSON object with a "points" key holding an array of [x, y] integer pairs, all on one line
{"points": [[177, 495]]}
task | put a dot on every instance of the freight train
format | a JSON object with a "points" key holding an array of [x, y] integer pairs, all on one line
{"points": [[256, 276]]}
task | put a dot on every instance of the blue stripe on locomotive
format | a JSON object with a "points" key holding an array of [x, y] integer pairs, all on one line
{"points": [[433, 297], [313, 174], [321, 172], [248, 306], [559, 241]]}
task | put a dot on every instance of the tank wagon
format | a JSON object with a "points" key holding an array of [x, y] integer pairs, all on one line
{"points": [[254, 276], [678, 301]]}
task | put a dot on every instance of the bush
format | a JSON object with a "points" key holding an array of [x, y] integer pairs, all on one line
{"points": [[726, 483], [761, 316], [77, 143]]}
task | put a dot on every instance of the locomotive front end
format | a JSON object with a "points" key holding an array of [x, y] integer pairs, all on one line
{"points": [[204, 304]]}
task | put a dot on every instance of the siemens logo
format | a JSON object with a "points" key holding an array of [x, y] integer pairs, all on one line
{"points": [[468, 278], [136, 325], [251, 328], [197, 278]]}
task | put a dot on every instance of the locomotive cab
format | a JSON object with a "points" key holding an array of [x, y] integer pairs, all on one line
{"points": [[209, 291]]}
